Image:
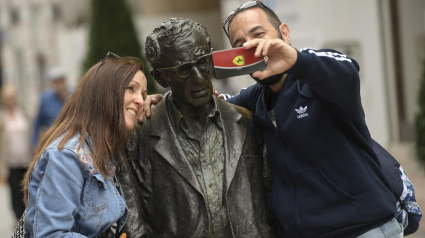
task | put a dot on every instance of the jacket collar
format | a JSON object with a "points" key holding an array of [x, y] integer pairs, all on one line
{"points": [[177, 118], [169, 147]]}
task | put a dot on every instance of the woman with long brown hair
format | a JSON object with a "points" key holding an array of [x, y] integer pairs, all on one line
{"points": [[71, 189]]}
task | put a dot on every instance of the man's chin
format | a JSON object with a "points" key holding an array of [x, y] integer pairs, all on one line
{"points": [[272, 80]]}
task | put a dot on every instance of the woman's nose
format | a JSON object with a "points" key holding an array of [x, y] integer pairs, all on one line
{"points": [[139, 101]]}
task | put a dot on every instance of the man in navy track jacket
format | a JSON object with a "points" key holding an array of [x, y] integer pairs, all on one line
{"points": [[325, 184]]}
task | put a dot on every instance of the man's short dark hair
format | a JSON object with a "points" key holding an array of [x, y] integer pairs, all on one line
{"points": [[168, 33], [271, 17]]}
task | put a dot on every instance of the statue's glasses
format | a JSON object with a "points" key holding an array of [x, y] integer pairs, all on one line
{"points": [[244, 6], [203, 64]]}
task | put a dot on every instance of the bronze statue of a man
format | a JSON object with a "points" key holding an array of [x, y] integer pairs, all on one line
{"points": [[195, 169]]}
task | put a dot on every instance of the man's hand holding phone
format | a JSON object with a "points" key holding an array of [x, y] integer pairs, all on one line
{"points": [[279, 56]]}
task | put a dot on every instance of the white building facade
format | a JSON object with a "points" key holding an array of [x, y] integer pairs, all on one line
{"points": [[386, 37], [37, 35]]}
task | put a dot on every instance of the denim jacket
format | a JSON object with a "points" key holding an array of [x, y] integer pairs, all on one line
{"points": [[69, 197]]}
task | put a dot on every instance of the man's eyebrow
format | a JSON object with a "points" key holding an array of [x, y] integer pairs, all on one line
{"points": [[255, 28], [250, 31]]}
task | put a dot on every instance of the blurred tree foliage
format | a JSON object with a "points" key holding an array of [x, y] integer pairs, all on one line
{"points": [[112, 29], [420, 120]]}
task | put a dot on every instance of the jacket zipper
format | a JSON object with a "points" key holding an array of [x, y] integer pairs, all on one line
{"points": [[293, 183], [286, 159]]}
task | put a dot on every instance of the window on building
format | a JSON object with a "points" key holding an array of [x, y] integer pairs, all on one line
{"points": [[14, 16], [1, 70], [20, 81], [57, 12], [41, 66], [1, 63]]}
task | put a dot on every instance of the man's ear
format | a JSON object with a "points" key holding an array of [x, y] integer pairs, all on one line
{"points": [[159, 78], [284, 30]]}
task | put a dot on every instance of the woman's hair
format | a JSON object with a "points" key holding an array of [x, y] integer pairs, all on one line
{"points": [[95, 108]]}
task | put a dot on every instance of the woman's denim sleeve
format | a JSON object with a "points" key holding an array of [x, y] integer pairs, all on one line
{"points": [[63, 181]]}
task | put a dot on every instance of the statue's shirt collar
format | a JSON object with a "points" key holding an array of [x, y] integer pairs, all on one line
{"points": [[179, 121]]}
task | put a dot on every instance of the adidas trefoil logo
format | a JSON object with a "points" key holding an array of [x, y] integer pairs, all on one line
{"points": [[302, 112]]}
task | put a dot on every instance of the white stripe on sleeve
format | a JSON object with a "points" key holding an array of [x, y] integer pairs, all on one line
{"points": [[333, 55]]}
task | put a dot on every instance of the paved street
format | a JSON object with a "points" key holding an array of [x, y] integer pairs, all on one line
{"points": [[403, 152], [7, 223]]}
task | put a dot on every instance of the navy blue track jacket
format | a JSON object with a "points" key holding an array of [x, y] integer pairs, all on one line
{"points": [[325, 184]]}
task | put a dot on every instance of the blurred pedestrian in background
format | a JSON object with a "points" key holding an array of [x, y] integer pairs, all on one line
{"points": [[15, 146], [51, 102]]}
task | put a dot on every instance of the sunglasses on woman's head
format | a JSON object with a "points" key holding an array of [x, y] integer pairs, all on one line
{"points": [[107, 55]]}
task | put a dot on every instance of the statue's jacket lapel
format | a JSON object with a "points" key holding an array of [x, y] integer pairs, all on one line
{"points": [[169, 147], [234, 138]]}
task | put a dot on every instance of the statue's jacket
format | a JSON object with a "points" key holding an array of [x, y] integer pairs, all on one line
{"points": [[163, 194]]}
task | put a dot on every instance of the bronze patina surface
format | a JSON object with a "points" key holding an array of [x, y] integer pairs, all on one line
{"points": [[196, 169]]}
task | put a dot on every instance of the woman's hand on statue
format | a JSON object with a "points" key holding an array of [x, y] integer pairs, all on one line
{"points": [[150, 99]]}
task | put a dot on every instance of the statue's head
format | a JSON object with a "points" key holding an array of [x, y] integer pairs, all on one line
{"points": [[179, 51]]}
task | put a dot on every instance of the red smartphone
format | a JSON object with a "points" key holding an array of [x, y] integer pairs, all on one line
{"points": [[237, 61]]}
